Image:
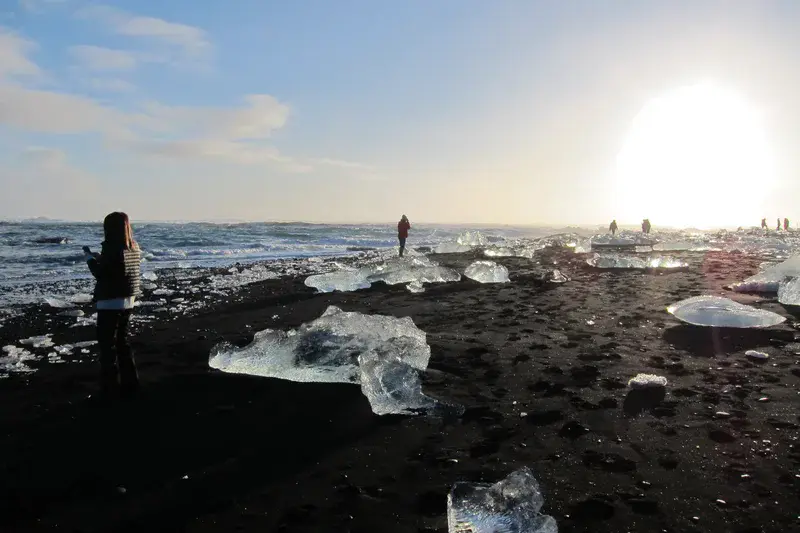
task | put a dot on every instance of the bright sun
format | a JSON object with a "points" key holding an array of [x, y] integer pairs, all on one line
{"points": [[695, 157]]}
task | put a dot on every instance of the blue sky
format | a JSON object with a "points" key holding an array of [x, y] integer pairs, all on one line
{"points": [[450, 111]]}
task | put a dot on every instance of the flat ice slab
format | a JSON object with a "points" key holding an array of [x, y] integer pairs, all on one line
{"points": [[720, 312], [487, 272]]}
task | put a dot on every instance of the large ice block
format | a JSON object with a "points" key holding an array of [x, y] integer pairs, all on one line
{"points": [[410, 269], [789, 292], [325, 349], [487, 272], [343, 280], [617, 261], [512, 505], [472, 238], [715, 311], [770, 279]]}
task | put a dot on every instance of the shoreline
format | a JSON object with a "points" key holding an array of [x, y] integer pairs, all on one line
{"points": [[543, 387]]}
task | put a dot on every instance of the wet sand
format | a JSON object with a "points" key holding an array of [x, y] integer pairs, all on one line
{"points": [[542, 370]]}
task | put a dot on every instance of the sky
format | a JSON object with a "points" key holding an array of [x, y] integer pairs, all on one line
{"points": [[454, 111]]}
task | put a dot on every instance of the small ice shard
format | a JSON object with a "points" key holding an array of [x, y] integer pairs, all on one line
{"points": [[393, 387], [720, 312], [343, 281], [41, 341], [149, 286], [557, 277], [512, 505], [163, 292], [71, 313], [616, 261], [58, 304], [646, 381], [755, 354], [451, 248], [325, 349], [14, 359], [500, 251], [472, 238], [789, 292], [415, 286], [81, 298], [149, 276], [487, 272]]}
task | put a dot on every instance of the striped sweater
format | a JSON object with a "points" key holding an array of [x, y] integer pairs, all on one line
{"points": [[117, 271]]}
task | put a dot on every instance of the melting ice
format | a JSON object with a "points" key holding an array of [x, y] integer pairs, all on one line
{"points": [[512, 505], [382, 353], [487, 272], [416, 269], [617, 261], [789, 292], [720, 312], [770, 279]]}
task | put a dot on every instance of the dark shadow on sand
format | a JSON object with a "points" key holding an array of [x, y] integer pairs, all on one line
{"points": [[228, 434], [638, 401], [708, 342]]}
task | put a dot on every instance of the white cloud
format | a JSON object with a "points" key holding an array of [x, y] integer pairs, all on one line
{"points": [[13, 55], [110, 85], [99, 58], [38, 6], [190, 41]]}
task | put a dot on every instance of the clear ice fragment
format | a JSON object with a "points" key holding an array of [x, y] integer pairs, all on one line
{"points": [[755, 354], [626, 262], [715, 311], [789, 292], [645, 381], [512, 505], [771, 278], [487, 272], [343, 281], [451, 248], [472, 238]]}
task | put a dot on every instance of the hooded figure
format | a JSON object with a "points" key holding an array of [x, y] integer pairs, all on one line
{"points": [[613, 227], [402, 233]]}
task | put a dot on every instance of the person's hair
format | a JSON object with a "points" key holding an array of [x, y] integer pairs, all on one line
{"points": [[118, 232]]}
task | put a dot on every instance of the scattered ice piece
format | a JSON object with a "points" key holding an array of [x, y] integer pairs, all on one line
{"points": [[722, 414], [149, 286], [149, 276], [415, 286], [58, 304], [81, 298], [178, 300], [500, 251], [41, 341], [755, 354], [557, 277], [71, 313], [715, 311], [487, 272], [771, 278], [451, 248], [325, 349], [590, 322], [14, 360], [408, 269], [85, 321], [343, 280], [789, 292], [644, 381], [512, 505], [617, 261], [472, 238], [163, 292]]}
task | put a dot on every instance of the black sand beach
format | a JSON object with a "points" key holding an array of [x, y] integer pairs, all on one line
{"points": [[542, 370]]}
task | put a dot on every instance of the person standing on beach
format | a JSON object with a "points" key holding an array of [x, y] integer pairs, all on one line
{"points": [[117, 269], [646, 226], [402, 233], [786, 224], [778, 228], [613, 227], [763, 223]]}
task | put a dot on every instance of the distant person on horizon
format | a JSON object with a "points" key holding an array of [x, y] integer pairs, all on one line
{"points": [[786, 224], [117, 269], [763, 223], [402, 233], [779, 225], [646, 226], [613, 227]]}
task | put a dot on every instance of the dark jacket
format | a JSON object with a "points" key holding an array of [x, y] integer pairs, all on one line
{"points": [[402, 229], [118, 272]]}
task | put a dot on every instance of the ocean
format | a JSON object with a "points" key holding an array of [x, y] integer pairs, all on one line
{"points": [[37, 258]]}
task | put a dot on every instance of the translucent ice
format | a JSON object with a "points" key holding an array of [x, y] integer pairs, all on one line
{"points": [[343, 280], [618, 261], [487, 272], [14, 359], [721, 312], [756, 354], [81, 298], [149, 276], [325, 349], [451, 248], [415, 286], [623, 240], [42, 341], [644, 381], [789, 292], [770, 279], [512, 505], [58, 304], [472, 238], [557, 277]]}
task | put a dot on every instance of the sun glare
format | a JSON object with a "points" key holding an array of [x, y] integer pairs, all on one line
{"points": [[695, 157]]}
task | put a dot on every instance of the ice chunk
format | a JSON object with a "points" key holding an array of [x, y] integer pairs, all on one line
{"points": [[789, 292], [715, 311], [618, 261], [472, 238], [41, 341], [487, 272], [15, 358], [58, 304], [451, 248], [394, 387], [415, 286], [645, 381], [408, 269], [149, 286], [500, 251], [512, 505], [756, 354], [71, 313], [347, 280], [557, 277], [770, 279], [325, 349], [163, 292], [149, 276], [81, 298]]}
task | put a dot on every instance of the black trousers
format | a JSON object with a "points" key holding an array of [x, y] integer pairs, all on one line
{"points": [[117, 367], [402, 245]]}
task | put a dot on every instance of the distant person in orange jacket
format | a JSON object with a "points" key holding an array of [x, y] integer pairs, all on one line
{"points": [[786, 224], [763, 223], [402, 233]]}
